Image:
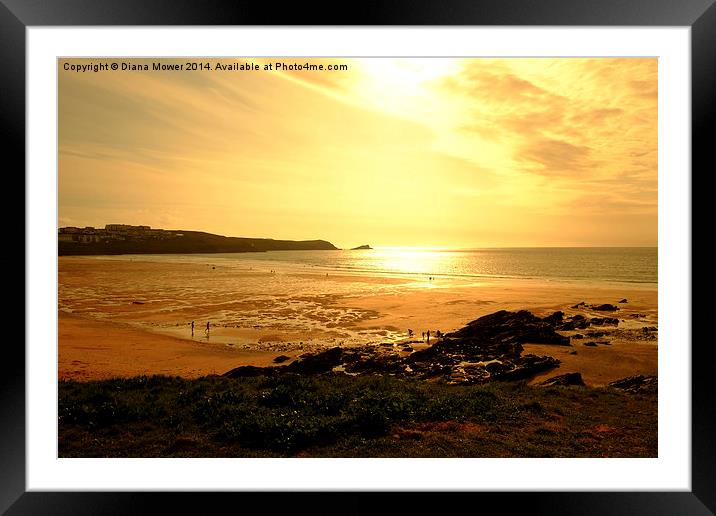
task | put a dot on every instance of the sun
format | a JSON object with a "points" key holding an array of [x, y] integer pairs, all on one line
{"points": [[406, 77]]}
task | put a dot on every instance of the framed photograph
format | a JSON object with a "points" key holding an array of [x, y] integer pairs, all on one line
{"points": [[442, 250]]}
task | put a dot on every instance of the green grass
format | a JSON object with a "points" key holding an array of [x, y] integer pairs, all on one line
{"points": [[343, 416]]}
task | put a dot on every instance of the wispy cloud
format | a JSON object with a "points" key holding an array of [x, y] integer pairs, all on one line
{"points": [[441, 151]]}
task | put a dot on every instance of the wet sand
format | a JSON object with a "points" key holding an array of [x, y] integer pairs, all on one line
{"points": [[131, 317], [97, 350]]}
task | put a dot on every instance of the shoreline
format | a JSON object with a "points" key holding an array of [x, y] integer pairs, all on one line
{"points": [[142, 327]]}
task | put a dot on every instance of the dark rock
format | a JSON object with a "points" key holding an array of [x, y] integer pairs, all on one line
{"points": [[361, 247], [423, 355], [578, 317], [495, 339], [564, 379], [606, 308], [572, 352], [579, 304], [436, 370], [623, 301], [590, 343], [375, 364], [647, 329], [638, 384], [477, 374], [318, 363], [137, 302], [418, 366], [555, 318], [249, 371], [496, 367], [527, 367], [567, 326], [596, 334], [582, 325], [281, 358], [508, 328], [497, 336], [599, 321], [577, 336]]}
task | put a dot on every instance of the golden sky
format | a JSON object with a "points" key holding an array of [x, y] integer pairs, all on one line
{"points": [[416, 152]]}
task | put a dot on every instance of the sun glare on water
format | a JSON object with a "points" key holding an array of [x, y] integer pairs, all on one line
{"points": [[408, 260]]}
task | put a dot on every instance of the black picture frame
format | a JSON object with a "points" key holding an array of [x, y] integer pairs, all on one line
{"points": [[17, 15]]}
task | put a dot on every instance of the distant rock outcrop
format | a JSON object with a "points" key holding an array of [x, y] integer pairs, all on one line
{"points": [[361, 247]]}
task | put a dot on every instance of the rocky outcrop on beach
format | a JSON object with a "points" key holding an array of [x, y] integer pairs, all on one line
{"points": [[505, 329], [605, 308], [609, 321], [249, 371], [638, 384], [322, 362], [564, 379], [486, 349]]}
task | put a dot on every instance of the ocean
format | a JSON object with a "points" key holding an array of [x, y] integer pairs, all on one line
{"points": [[289, 298], [597, 264]]}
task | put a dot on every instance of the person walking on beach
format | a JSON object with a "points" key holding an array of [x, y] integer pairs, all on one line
{"points": [[207, 328], [410, 332], [427, 334], [192, 328], [422, 335]]}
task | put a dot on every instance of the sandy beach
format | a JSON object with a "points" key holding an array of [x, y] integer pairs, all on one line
{"points": [[126, 317]]}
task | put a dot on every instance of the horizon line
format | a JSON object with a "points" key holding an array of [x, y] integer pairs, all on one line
{"points": [[383, 246]]}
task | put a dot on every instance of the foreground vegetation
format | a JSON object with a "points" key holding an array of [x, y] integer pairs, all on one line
{"points": [[344, 416]]}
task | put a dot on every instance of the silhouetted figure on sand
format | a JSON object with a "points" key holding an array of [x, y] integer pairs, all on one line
{"points": [[427, 334], [422, 335], [207, 329], [410, 332], [192, 328]]}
